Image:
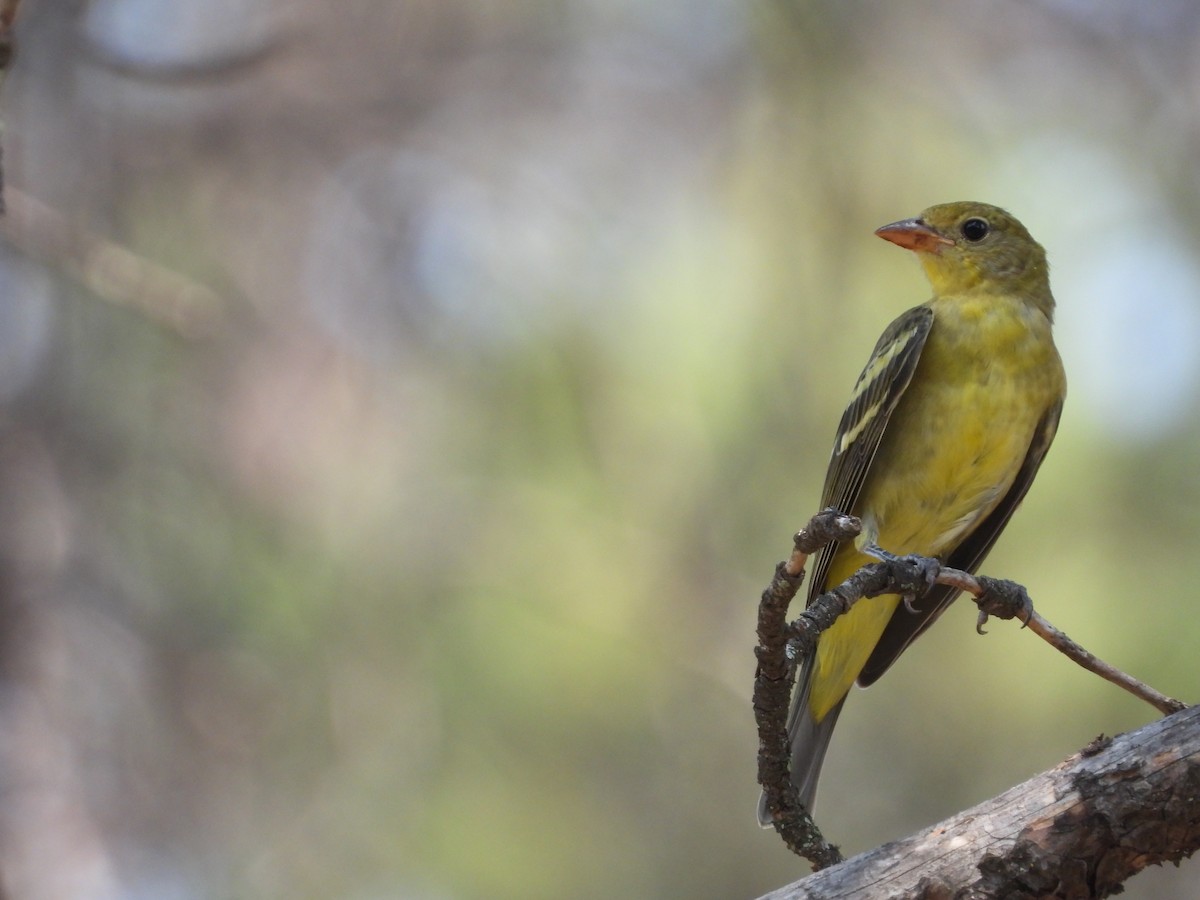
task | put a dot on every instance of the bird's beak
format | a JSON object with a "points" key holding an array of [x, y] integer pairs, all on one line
{"points": [[913, 234]]}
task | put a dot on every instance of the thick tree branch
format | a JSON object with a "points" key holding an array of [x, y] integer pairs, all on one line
{"points": [[1078, 830]]}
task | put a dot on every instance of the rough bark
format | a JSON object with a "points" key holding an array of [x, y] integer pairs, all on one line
{"points": [[1078, 830]]}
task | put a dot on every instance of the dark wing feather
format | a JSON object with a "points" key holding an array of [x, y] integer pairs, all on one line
{"points": [[878, 390], [905, 627]]}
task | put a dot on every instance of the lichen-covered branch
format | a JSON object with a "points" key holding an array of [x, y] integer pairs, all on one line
{"points": [[782, 645], [773, 682]]}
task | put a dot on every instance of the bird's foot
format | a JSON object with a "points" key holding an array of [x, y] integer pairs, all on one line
{"points": [[913, 575], [1004, 600]]}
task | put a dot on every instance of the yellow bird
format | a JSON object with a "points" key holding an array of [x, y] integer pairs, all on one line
{"points": [[948, 423]]}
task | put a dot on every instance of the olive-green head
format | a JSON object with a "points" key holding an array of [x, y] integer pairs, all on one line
{"points": [[971, 247]]}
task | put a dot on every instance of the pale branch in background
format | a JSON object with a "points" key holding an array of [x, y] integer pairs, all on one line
{"points": [[110, 271]]}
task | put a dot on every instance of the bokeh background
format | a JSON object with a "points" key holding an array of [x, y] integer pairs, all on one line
{"points": [[404, 403]]}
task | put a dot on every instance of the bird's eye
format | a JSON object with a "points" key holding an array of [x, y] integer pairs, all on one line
{"points": [[975, 229]]}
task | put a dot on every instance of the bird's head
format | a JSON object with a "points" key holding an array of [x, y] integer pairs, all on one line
{"points": [[966, 247]]}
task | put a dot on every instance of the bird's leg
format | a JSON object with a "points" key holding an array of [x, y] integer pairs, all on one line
{"points": [[872, 549], [916, 573]]}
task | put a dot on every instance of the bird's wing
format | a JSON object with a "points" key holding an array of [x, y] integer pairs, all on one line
{"points": [[879, 388], [904, 627]]}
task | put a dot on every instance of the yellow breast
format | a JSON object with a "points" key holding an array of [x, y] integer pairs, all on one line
{"points": [[954, 445]]}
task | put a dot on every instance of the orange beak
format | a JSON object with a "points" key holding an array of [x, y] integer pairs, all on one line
{"points": [[913, 234]]}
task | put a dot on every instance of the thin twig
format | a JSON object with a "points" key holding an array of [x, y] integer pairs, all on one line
{"points": [[1006, 600], [825, 527]]}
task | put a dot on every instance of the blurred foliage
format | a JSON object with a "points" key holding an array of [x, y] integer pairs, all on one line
{"points": [[430, 569]]}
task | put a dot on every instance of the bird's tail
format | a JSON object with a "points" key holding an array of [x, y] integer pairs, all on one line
{"points": [[808, 740]]}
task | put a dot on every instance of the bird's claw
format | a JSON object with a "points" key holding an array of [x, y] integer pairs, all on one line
{"points": [[981, 621]]}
